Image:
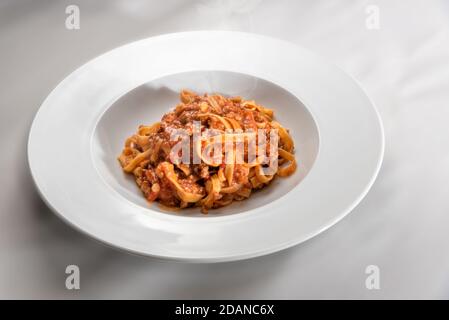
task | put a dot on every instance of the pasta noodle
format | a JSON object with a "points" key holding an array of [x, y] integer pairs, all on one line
{"points": [[238, 148]]}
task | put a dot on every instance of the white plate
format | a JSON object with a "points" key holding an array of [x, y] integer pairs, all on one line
{"points": [[80, 129]]}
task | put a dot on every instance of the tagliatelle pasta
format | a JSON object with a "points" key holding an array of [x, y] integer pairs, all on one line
{"points": [[208, 152]]}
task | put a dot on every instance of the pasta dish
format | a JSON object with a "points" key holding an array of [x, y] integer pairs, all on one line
{"points": [[208, 151]]}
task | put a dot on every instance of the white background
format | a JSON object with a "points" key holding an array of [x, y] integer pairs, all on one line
{"points": [[402, 225]]}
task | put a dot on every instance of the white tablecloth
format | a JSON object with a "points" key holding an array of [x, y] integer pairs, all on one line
{"points": [[402, 226]]}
